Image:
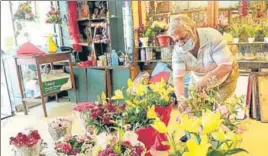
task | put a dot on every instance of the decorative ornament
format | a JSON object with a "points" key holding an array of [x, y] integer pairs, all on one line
{"points": [[53, 16], [24, 12]]}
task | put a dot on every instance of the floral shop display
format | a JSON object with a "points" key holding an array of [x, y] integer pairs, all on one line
{"points": [[97, 118], [24, 12], [60, 127], [27, 143], [53, 16], [75, 145]]}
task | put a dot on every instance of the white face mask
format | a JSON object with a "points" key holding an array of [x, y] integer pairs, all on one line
{"points": [[189, 45]]}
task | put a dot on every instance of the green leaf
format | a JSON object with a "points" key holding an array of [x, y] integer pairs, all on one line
{"points": [[235, 151], [215, 153]]}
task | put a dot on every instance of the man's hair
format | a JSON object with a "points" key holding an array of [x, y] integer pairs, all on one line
{"points": [[181, 22]]}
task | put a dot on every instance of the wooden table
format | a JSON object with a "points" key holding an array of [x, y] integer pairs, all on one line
{"points": [[38, 60]]}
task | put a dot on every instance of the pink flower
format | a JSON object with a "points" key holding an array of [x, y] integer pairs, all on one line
{"points": [[81, 139], [127, 144], [66, 148]]}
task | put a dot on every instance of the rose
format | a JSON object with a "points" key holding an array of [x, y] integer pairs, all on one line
{"points": [[66, 148]]}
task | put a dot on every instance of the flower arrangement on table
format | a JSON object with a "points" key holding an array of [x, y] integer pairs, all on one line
{"points": [[24, 12], [100, 117], [60, 127], [28, 143], [126, 143], [75, 145], [53, 16], [205, 136]]}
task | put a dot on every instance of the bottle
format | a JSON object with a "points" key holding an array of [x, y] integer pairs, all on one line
{"points": [[109, 59], [143, 55], [114, 58]]}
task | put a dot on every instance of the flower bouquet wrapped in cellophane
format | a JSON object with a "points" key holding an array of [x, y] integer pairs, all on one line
{"points": [[60, 127]]}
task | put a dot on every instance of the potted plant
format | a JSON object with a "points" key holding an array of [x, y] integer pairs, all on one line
{"points": [[251, 31], [53, 16], [144, 34], [159, 28], [235, 31]]}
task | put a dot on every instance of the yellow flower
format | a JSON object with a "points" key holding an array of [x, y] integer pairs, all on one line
{"points": [[151, 114], [141, 89], [130, 83], [160, 126], [195, 149], [189, 125], [118, 94], [128, 102], [162, 83], [96, 149], [210, 121], [219, 135], [103, 98]]}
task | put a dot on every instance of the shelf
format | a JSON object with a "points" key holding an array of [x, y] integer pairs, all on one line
{"points": [[152, 61], [246, 43], [96, 19], [155, 47], [253, 61]]}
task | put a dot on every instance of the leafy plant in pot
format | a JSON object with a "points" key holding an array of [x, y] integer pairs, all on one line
{"points": [[145, 33], [159, 29], [235, 31], [251, 31]]}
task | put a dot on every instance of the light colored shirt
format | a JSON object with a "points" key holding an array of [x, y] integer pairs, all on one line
{"points": [[213, 51]]}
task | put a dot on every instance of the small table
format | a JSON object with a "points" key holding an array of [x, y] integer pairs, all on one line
{"points": [[38, 60]]}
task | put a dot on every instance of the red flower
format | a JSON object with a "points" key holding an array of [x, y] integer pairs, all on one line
{"points": [[127, 144], [122, 107], [106, 119], [66, 148]]}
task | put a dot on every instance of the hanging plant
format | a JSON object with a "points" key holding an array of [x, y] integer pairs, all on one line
{"points": [[24, 12], [53, 16]]}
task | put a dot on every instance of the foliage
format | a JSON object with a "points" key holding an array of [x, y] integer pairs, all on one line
{"points": [[159, 27], [24, 12], [144, 31], [251, 30], [265, 29], [235, 30]]}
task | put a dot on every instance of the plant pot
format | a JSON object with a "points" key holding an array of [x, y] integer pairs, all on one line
{"points": [[30, 151], [235, 40], [144, 41], [163, 40], [251, 40], [266, 39]]}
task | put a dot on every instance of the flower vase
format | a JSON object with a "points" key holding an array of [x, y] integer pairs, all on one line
{"points": [[250, 39], [235, 40], [164, 113], [29, 151], [163, 40], [144, 41], [59, 132], [266, 39]]}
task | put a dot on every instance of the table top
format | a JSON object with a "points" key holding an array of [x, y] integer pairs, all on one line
{"points": [[50, 58]]}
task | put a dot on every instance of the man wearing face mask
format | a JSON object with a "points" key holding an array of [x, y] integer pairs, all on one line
{"points": [[204, 53]]}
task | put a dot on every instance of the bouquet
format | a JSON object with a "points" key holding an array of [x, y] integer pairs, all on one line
{"points": [[124, 144], [24, 12], [60, 127], [159, 27], [53, 16], [205, 136], [74, 145], [28, 144], [100, 117]]}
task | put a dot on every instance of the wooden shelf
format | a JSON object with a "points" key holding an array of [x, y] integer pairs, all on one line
{"points": [[253, 61], [96, 19], [152, 61], [246, 43], [155, 47]]}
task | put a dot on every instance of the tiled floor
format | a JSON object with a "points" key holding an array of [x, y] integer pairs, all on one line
{"points": [[255, 139]]}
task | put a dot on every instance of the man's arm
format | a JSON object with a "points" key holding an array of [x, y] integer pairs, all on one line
{"points": [[179, 86]]}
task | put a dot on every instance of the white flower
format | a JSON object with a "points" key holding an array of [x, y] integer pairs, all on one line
{"points": [[104, 139], [131, 137]]}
